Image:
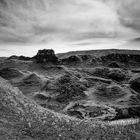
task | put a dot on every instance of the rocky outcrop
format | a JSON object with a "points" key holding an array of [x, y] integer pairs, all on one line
{"points": [[46, 56]]}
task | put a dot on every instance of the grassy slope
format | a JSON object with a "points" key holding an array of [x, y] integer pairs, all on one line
{"points": [[21, 118], [97, 53]]}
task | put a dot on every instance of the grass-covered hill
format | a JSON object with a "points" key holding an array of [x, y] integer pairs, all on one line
{"points": [[23, 119], [73, 97]]}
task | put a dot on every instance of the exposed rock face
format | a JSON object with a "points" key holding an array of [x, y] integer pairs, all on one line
{"points": [[135, 84], [46, 56]]}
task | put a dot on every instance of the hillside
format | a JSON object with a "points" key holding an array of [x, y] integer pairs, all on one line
{"points": [[81, 96], [21, 118]]}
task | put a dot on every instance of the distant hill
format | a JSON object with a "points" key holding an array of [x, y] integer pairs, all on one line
{"points": [[98, 53]]}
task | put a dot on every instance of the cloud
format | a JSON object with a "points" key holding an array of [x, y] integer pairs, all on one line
{"points": [[40, 21], [131, 16], [128, 12]]}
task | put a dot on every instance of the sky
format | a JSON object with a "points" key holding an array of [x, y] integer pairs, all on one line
{"points": [[67, 25]]}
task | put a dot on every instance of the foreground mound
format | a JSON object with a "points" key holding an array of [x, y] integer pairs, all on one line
{"points": [[10, 73], [21, 118], [30, 84]]}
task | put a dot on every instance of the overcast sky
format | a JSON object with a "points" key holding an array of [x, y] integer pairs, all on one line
{"points": [[65, 25]]}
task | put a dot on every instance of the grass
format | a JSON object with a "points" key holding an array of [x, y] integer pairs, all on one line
{"points": [[23, 119]]}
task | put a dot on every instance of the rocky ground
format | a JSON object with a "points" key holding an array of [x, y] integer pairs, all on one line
{"points": [[73, 92]]}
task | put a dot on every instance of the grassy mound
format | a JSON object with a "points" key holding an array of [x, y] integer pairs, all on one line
{"points": [[10, 73], [74, 59], [110, 91], [69, 88], [117, 75], [99, 72], [30, 84], [114, 65], [41, 97]]}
